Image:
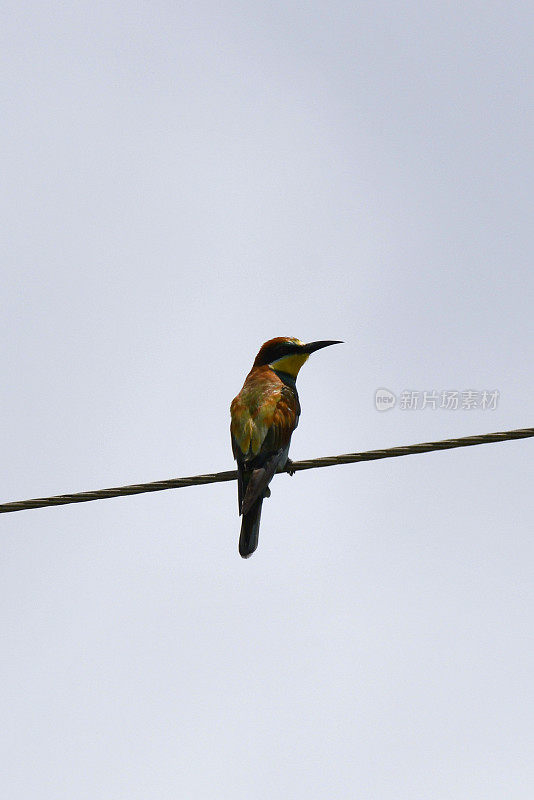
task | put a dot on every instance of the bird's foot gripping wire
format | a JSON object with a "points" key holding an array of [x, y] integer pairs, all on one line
{"points": [[289, 467]]}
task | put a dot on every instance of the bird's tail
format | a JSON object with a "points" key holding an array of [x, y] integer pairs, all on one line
{"points": [[250, 529]]}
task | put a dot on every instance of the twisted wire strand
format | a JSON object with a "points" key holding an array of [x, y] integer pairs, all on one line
{"points": [[296, 466]]}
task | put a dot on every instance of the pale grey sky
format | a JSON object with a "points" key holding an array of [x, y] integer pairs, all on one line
{"points": [[181, 182]]}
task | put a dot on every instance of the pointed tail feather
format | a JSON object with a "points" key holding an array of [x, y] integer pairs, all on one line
{"points": [[250, 530]]}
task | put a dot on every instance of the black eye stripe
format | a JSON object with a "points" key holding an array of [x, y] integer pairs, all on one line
{"points": [[281, 350]]}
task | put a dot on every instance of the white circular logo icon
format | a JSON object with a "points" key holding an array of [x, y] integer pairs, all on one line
{"points": [[384, 400]]}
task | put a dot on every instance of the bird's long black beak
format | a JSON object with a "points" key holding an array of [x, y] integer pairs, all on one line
{"points": [[311, 347]]}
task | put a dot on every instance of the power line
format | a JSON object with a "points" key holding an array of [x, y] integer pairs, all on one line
{"points": [[296, 466]]}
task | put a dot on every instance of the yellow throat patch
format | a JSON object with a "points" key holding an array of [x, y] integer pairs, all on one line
{"points": [[290, 364]]}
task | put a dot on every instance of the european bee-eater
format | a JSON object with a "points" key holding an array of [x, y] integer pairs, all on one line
{"points": [[264, 415]]}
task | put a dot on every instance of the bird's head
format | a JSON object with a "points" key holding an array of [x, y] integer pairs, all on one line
{"points": [[287, 354]]}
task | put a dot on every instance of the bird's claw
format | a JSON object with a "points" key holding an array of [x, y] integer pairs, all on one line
{"points": [[267, 492], [289, 467]]}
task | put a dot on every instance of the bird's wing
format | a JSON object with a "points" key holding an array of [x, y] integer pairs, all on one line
{"points": [[252, 414], [274, 447], [284, 420], [263, 423]]}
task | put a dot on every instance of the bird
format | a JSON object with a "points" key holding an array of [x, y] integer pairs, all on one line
{"points": [[263, 417]]}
